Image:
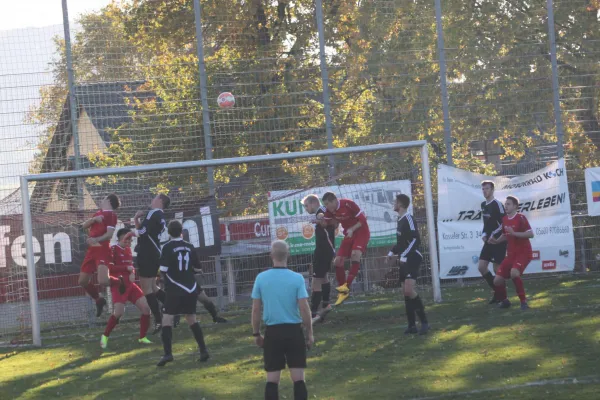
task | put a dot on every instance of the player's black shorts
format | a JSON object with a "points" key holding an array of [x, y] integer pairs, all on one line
{"points": [[148, 265], [178, 303], [411, 268], [493, 253], [321, 266], [284, 344]]}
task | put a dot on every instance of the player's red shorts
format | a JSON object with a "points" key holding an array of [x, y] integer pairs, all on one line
{"points": [[95, 256], [132, 294], [517, 261], [358, 241]]}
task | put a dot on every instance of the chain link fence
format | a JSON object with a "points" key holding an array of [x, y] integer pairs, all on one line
{"points": [[496, 87]]}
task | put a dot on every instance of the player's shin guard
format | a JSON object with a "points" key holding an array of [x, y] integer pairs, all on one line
{"points": [[144, 324], [419, 309], [354, 268], [315, 300], [340, 274], [489, 278], [300, 392], [271, 391], [167, 338], [154, 307], [197, 331], [326, 292], [110, 325], [410, 311], [520, 288], [210, 307], [500, 291], [92, 291], [161, 295]]}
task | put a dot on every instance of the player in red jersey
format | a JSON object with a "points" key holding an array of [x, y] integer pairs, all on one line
{"points": [[356, 238], [517, 232], [97, 257], [122, 269]]}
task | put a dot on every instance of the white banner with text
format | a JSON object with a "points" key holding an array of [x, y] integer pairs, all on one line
{"points": [[544, 200]]}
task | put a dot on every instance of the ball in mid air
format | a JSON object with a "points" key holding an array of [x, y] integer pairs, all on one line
{"points": [[226, 100]]}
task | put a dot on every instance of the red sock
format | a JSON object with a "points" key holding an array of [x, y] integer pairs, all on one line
{"points": [[144, 323], [354, 268], [110, 325], [520, 289], [340, 274], [500, 292], [92, 291]]}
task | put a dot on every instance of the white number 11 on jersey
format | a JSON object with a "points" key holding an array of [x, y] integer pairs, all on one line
{"points": [[184, 261]]}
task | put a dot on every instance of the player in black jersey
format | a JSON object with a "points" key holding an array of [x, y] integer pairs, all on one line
{"points": [[149, 231], [322, 257], [177, 263], [407, 249], [493, 212]]}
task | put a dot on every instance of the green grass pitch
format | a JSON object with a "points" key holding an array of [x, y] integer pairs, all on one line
{"points": [[474, 351]]}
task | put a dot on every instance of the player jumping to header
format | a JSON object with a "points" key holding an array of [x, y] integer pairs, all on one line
{"points": [[517, 232], [407, 249], [354, 244], [122, 269], [493, 212], [97, 257], [322, 257], [149, 231]]}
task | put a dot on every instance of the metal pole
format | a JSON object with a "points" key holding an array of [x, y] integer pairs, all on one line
{"points": [[443, 84], [206, 129], [31, 273], [555, 85], [72, 99], [325, 83], [433, 255]]}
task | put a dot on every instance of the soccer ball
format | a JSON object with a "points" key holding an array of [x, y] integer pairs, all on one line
{"points": [[226, 100]]}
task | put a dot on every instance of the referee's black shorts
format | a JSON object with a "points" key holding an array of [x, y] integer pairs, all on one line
{"points": [[494, 253], [284, 344], [411, 268]]}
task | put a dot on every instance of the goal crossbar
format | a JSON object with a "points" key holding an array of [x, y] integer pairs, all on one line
{"points": [[27, 214]]}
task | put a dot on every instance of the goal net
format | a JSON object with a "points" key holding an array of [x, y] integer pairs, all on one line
{"points": [[266, 187]]}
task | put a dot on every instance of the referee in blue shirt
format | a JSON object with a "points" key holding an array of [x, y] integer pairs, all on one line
{"points": [[284, 300]]}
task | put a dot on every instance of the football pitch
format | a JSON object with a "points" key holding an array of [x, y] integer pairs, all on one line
{"points": [[474, 351]]}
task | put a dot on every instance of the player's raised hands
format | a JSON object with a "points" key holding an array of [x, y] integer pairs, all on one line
{"points": [[98, 218], [138, 214]]}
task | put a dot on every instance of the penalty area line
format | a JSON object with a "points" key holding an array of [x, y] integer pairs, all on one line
{"points": [[551, 382]]}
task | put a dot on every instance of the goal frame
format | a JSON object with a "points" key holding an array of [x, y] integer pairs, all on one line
{"points": [[84, 173]]}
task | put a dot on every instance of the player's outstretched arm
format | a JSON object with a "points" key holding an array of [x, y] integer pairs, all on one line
{"points": [[501, 239], [523, 235], [91, 222]]}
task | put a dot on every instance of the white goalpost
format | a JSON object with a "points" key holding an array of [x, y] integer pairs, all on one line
{"points": [[367, 173]]}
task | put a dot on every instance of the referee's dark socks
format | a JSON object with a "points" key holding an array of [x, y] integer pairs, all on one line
{"points": [[154, 307], [326, 291], [489, 278], [300, 392], [197, 331], [419, 309], [410, 311], [315, 300], [161, 295], [210, 307], [272, 391], [167, 338]]}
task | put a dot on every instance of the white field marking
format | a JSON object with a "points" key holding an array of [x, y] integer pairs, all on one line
{"points": [[553, 382]]}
